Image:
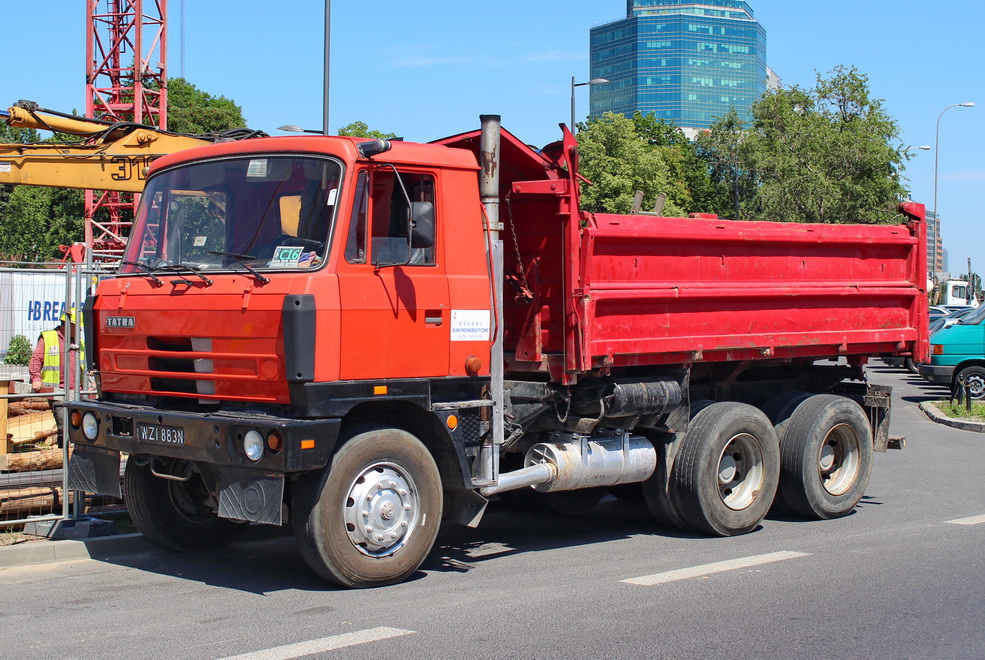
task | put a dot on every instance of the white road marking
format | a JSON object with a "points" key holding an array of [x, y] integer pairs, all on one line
{"points": [[973, 520], [717, 567], [310, 647]]}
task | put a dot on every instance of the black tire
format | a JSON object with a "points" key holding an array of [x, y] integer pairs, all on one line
{"points": [[726, 474], [779, 408], [658, 490], [911, 366], [974, 377], [172, 514], [825, 457], [659, 498], [370, 518]]}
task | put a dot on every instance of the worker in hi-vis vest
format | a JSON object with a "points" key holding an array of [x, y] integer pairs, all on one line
{"points": [[45, 365]]}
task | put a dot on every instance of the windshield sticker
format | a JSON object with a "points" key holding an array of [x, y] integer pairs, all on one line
{"points": [[199, 241], [286, 256], [470, 325], [292, 256], [332, 196], [257, 168]]}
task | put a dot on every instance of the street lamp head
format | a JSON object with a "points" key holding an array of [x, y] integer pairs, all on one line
{"points": [[969, 104], [602, 81], [291, 128], [923, 147]]}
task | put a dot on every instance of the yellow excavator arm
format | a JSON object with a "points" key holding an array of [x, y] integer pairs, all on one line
{"points": [[107, 156]]}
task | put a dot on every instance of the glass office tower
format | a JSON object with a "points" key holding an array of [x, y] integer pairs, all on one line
{"points": [[682, 60]]}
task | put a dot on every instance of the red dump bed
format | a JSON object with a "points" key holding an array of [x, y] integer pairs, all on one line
{"points": [[589, 291]]}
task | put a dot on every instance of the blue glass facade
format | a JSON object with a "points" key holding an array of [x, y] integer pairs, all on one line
{"points": [[681, 60]]}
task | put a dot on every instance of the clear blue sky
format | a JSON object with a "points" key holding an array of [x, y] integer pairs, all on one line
{"points": [[427, 70]]}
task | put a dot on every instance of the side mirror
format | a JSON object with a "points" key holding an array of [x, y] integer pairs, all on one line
{"points": [[421, 224]]}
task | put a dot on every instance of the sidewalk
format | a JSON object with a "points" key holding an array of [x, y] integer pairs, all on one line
{"points": [[966, 425], [30, 553]]}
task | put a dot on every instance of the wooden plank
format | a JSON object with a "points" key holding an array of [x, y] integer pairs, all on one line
{"points": [[25, 428], [4, 442]]}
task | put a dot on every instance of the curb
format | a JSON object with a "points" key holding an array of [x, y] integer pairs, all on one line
{"points": [[47, 552], [934, 414]]}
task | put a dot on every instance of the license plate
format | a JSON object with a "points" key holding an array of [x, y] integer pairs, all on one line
{"points": [[160, 434]]}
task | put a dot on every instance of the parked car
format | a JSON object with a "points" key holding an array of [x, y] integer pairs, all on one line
{"points": [[957, 352], [940, 311], [948, 319]]}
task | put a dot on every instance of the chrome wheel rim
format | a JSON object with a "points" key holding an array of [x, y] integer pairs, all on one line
{"points": [[838, 460], [381, 509], [740, 471]]}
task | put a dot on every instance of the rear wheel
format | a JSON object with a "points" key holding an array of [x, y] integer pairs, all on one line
{"points": [[726, 473], [779, 408], [371, 517], [826, 457], [174, 514], [659, 491]]}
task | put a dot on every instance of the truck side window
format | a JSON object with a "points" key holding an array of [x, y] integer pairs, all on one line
{"points": [[381, 204], [355, 244]]}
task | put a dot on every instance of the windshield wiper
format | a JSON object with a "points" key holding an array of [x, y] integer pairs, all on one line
{"points": [[183, 268], [242, 259], [148, 271]]}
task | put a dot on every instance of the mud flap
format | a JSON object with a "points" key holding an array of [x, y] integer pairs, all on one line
{"points": [[94, 470], [251, 496]]}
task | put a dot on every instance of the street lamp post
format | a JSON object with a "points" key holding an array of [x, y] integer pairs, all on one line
{"points": [[937, 153], [328, 34], [593, 81]]}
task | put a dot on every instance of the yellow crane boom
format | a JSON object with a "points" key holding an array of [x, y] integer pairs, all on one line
{"points": [[107, 156]]}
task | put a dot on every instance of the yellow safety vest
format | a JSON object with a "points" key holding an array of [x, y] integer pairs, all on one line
{"points": [[51, 372]]}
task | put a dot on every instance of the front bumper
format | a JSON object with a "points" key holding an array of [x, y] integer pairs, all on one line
{"points": [[937, 374], [246, 489]]}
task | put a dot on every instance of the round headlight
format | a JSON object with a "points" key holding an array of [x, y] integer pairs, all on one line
{"points": [[90, 426], [253, 445]]}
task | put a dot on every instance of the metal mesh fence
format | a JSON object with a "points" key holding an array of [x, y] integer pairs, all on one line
{"points": [[37, 307]]}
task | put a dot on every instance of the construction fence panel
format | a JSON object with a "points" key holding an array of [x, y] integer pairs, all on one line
{"points": [[33, 455]]}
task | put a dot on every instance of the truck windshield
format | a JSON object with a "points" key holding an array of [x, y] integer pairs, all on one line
{"points": [[259, 212]]}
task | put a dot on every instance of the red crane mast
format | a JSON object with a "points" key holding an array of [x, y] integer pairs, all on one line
{"points": [[126, 81]]}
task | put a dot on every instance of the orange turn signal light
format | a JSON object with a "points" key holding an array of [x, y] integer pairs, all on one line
{"points": [[452, 422], [274, 441], [75, 419]]}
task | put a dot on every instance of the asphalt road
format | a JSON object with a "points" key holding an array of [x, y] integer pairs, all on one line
{"points": [[900, 578]]}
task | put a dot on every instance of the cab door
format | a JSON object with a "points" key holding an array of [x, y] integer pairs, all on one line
{"points": [[394, 294]]}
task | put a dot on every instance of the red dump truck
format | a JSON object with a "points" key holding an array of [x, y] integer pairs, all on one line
{"points": [[361, 338]]}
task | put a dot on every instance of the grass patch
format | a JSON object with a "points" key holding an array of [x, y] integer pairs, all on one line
{"points": [[960, 410]]}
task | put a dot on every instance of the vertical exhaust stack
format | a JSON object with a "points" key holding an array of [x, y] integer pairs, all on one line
{"points": [[489, 194]]}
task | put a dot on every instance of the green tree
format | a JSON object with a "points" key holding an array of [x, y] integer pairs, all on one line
{"points": [[619, 162], [826, 154], [361, 129], [724, 149], [192, 111], [684, 162]]}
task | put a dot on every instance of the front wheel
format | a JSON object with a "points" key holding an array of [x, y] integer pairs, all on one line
{"points": [[174, 514], [371, 517], [974, 378]]}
